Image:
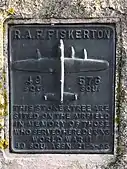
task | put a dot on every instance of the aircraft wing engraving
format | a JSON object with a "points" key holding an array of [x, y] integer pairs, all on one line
{"points": [[44, 65], [61, 65], [84, 65]]}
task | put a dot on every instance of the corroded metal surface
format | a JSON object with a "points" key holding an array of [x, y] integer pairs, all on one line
{"points": [[62, 88]]}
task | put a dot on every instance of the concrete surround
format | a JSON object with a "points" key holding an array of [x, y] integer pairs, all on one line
{"points": [[73, 11]]}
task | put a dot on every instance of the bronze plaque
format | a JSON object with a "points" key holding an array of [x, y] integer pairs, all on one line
{"points": [[61, 82]]}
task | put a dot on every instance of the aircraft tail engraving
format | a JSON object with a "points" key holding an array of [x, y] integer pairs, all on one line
{"points": [[68, 65]]}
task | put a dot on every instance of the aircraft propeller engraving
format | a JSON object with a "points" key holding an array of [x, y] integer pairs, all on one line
{"points": [[70, 65]]}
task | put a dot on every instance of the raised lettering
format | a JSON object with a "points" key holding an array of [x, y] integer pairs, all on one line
{"points": [[70, 34], [17, 34], [78, 34], [50, 33], [107, 34], [62, 34], [86, 34], [39, 34], [93, 33], [28, 34]]}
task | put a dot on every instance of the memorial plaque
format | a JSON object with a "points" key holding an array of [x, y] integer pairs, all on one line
{"points": [[61, 82]]}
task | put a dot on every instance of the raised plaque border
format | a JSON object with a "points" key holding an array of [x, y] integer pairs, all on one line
{"points": [[116, 21]]}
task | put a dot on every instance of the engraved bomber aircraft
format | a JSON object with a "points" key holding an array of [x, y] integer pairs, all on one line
{"points": [[64, 64]]}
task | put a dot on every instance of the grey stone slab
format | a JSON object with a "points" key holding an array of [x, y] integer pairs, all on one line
{"points": [[69, 161], [43, 12]]}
